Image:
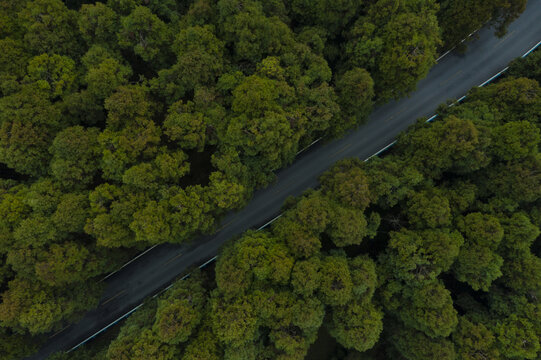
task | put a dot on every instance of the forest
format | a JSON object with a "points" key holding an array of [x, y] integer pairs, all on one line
{"points": [[429, 252], [129, 123]]}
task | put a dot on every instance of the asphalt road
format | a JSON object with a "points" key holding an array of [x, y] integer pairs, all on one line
{"points": [[452, 77]]}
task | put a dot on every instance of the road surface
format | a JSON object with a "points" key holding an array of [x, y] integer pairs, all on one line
{"points": [[452, 77]]}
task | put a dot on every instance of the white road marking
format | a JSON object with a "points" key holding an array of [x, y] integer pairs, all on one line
{"points": [[270, 222], [105, 328], [214, 258], [531, 50], [494, 77], [129, 262]]}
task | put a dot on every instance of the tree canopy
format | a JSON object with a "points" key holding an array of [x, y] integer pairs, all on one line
{"points": [[130, 123]]}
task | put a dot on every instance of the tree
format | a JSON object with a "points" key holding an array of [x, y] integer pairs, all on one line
{"points": [[336, 287], [347, 227], [473, 340], [519, 233], [348, 184], [234, 322], [527, 189], [397, 43], [180, 311], [455, 26], [302, 241], [130, 135], [111, 214], [269, 139], [151, 224], [35, 231], [69, 263], [306, 276], [191, 212], [482, 229], [521, 271], [199, 62], [391, 180], [256, 258], [172, 166], [13, 61], [50, 27], [204, 346], [141, 345], [98, 23], [81, 108], [415, 345], [261, 129], [36, 308], [428, 209], [226, 193], [330, 15], [185, 126], [509, 100], [517, 338], [453, 145], [357, 325], [123, 7], [515, 140], [478, 264], [145, 34], [52, 73], [126, 105], [124, 148], [103, 79], [13, 345], [166, 168], [71, 213], [137, 341], [12, 211], [422, 255], [75, 152], [355, 90], [252, 35], [526, 67], [9, 20], [431, 309], [28, 124], [364, 277], [313, 212]]}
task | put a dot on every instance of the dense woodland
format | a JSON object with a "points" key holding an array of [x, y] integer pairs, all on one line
{"points": [[129, 123], [431, 252]]}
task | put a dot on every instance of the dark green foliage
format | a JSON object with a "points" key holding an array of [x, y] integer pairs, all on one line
{"points": [[49, 27], [437, 149], [28, 124], [527, 67], [144, 33], [75, 157], [98, 23], [456, 26], [456, 275], [415, 345], [355, 90], [180, 312], [129, 123], [412, 28]]}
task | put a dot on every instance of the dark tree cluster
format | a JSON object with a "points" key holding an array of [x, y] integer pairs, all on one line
{"points": [[129, 123], [431, 252], [456, 25]]}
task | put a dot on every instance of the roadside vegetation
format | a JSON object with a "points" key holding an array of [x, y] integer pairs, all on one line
{"points": [[130, 123], [430, 252]]}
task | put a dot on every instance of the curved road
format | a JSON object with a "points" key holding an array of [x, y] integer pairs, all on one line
{"points": [[452, 77]]}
